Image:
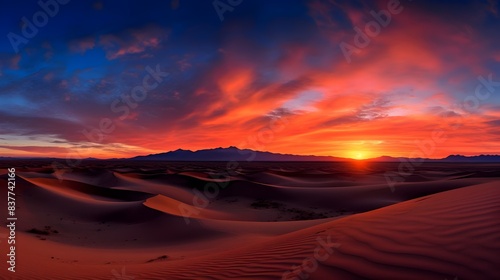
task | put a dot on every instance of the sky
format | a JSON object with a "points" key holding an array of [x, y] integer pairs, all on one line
{"points": [[355, 79]]}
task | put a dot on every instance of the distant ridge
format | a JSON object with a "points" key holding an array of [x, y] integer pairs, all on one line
{"points": [[450, 158], [479, 158], [236, 154], [232, 154]]}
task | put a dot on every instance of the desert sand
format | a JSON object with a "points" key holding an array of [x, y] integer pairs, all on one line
{"points": [[118, 220]]}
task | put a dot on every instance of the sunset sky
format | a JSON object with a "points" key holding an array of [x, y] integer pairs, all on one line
{"points": [[264, 75]]}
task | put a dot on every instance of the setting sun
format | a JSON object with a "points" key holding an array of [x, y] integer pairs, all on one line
{"points": [[359, 155]]}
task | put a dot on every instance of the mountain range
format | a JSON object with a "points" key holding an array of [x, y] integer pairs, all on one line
{"points": [[235, 154], [232, 154]]}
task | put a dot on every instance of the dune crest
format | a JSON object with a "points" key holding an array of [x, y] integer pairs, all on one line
{"points": [[454, 233]]}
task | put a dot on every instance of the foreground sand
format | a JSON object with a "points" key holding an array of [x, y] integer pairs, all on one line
{"points": [[126, 225]]}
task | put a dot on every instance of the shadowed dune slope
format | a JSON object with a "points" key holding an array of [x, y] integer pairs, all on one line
{"points": [[442, 236], [446, 235]]}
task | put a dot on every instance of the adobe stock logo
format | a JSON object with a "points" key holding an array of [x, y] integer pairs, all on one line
{"points": [[221, 7], [323, 251], [372, 29], [39, 19]]}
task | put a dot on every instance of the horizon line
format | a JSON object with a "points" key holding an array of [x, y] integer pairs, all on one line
{"points": [[228, 147]]}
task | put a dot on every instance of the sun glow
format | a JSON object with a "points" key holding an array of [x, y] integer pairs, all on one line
{"points": [[359, 154]]}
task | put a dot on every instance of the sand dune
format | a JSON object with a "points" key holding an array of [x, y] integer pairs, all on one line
{"points": [[451, 234], [119, 222]]}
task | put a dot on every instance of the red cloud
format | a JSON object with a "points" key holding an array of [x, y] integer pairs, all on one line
{"points": [[134, 41], [82, 45]]}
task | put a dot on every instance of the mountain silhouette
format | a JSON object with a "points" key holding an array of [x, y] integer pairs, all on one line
{"points": [[232, 154]]}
